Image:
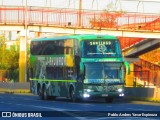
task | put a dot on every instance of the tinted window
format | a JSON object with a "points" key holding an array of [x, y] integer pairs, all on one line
{"points": [[101, 72], [101, 48], [36, 48], [52, 47]]}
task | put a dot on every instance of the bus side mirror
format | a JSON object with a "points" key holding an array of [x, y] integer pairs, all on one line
{"points": [[127, 67]]}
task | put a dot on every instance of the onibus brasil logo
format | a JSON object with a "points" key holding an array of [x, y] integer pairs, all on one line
{"points": [[19, 114]]}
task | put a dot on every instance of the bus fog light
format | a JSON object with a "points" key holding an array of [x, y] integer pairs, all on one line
{"points": [[86, 95]]}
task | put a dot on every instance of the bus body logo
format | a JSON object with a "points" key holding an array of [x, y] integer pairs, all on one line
{"points": [[102, 48]]}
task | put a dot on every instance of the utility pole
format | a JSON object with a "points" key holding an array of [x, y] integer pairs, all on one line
{"points": [[80, 13]]}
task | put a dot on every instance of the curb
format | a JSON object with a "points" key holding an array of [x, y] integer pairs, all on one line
{"points": [[16, 91], [156, 100]]}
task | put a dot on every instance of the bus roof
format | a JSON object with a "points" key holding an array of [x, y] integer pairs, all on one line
{"points": [[79, 37]]}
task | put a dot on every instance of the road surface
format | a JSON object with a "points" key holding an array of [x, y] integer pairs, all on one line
{"points": [[18, 106]]}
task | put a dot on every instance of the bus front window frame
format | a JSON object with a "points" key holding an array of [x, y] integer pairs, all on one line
{"points": [[87, 50], [100, 73]]}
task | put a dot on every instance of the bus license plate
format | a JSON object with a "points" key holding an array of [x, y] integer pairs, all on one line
{"points": [[104, 95]]}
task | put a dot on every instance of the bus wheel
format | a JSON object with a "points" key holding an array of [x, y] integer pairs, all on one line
{"points": [[44, 94], [52, 97], [72, 95], [39, 92], [109, 100]]}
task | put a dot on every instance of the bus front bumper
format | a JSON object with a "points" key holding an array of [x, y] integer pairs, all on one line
{"points": [[102, 95]]}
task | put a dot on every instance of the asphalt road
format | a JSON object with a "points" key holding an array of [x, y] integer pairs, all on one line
{"points": [[62, 108]]}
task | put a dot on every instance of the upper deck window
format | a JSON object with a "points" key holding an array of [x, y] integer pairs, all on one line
{"points": [[52, 47], [101, 48]]}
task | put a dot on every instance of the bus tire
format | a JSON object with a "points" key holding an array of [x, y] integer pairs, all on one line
{"points": [[109, 100], [39, 91], [72, 95], [44, 93], [52, 97]]}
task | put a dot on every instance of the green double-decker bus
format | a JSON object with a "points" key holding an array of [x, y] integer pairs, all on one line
{"points": [[77, 67]]}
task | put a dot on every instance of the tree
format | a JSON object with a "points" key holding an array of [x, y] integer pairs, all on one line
{"points": [[107, 19], [14, 62], [9, 58], [3, 52]]}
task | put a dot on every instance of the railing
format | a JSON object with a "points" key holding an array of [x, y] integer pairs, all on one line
{"points": [[89, 19], [73, 18]]}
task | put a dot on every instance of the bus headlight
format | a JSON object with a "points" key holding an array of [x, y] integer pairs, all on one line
{"points": [[85, 95], [120, 90], [121, 95]]}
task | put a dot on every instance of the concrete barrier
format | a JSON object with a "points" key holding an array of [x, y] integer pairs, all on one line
{"points": [[15, 87], [140, 93]]}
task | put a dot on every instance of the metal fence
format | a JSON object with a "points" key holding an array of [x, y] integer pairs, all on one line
{"points": [[76, 18]]}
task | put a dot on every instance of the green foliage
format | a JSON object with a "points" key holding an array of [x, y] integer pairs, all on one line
{"points": [[9, 58], [3, 52], [14, 74]]}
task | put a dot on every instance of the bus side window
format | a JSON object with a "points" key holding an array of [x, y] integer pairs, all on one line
{"points": [[48, 50]]}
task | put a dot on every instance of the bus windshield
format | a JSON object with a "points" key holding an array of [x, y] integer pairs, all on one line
{"points": [[101, 48], [98, 72]]}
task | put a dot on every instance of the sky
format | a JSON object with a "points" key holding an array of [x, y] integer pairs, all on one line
{"points": [[143, 6]]}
